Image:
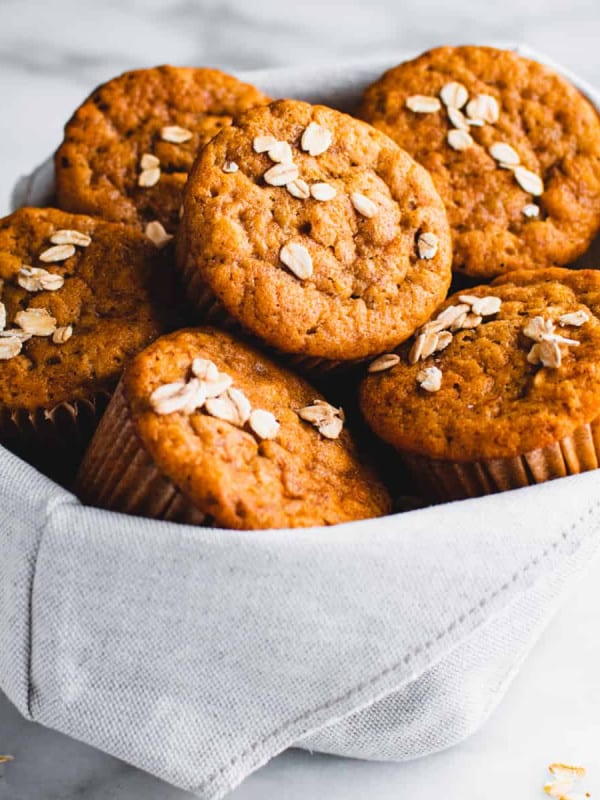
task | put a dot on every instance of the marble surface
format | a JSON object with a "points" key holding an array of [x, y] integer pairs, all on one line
{"points": [[51, 55]]}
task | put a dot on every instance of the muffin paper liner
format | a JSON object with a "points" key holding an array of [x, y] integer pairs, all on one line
{"points": [[117, 473], [53, 439], [453, 480]]}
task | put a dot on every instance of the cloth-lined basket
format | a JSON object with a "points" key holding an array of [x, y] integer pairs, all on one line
{"points": [[198, 654]]}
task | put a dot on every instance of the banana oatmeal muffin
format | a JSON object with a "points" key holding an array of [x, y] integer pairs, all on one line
{"points": [[315, 232], [513, 148], [500, 389], [129, 147], [204, 428], [79, 297]]}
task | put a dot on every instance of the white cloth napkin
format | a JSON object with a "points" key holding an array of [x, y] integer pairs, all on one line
{"points": [[199, 654]]}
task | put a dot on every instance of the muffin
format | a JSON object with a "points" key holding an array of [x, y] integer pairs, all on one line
{"points": [[129, 147], [513, 148], [313, 232], [79, 297], [500, 390], [205, 429]]}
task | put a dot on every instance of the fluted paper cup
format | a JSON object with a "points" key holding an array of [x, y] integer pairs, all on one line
{"points": [[443, 480], [53, 439], [118, 473]]}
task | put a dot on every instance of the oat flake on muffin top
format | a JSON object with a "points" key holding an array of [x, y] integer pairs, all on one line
{"points": [[79, 296]]}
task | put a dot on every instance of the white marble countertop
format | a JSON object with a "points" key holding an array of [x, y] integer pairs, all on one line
{"points": [[51, 55]]}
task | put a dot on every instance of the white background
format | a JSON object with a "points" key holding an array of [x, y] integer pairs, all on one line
{"points": [[51, 55]]}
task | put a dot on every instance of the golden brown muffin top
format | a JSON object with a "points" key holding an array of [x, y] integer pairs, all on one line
{"points": [[341, 277], [502, 391], [554, 131], [297, 478], [166, 114], [95, 303]]}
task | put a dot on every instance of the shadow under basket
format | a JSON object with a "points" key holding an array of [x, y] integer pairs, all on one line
{"points": [[441, 480]]}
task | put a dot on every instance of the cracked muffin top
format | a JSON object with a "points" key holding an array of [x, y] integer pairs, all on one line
{"points": [[247, 442], [315, 232], [500, 371], [513, 148], [79, 297], [129, 147]]}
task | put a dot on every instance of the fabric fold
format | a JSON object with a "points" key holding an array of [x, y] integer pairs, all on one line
{"points": [[198, 655]]}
